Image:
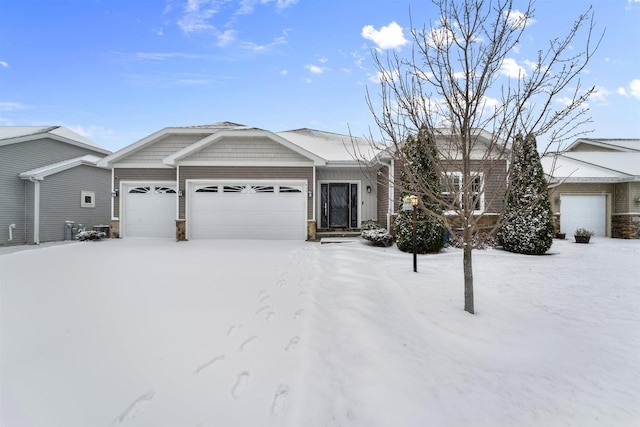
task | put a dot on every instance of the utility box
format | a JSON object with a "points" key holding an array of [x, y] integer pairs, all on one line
{"points": [[68, 230], [103, 228]]}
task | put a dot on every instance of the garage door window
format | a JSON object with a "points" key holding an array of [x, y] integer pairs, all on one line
{"points": [[140, 190], [209, 189], [285, 189], [164, 190], [263, 189]]}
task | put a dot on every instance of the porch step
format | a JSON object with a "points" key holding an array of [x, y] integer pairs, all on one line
{"points": [[345, 236]]}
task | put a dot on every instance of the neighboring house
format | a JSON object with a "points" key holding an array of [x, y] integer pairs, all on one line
{"points": [[233, 181], [48, 175], [595, 184]]}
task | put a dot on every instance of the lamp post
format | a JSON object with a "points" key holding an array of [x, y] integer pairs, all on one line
{"points": [[414, 203]]}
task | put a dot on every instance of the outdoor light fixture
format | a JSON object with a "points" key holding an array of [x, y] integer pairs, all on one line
{"points": [[180, 193], [414, 202], [310, 193], [114, 193], [368, 189]]}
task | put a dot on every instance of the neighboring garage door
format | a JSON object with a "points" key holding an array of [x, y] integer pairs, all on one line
{"points": [[583, 211], [149, 210], [239, 210]]}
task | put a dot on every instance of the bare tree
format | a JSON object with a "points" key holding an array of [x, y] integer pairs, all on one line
{"points": [[456, 85]]}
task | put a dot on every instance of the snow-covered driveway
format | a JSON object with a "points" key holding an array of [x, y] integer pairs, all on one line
{"points": [[142, 332]]}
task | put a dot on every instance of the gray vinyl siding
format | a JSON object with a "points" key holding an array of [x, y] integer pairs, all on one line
{"points": [[245, 172], [157, 151], [60, 200], [247, 149], [139, 174], [368, 203], [15, 208]]}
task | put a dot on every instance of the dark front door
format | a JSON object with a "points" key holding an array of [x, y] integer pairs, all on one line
{"points": [[339, 205]]}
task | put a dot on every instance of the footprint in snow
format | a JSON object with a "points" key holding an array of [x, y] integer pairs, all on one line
{"points": [[297, 314], [263, 308], [247, 343], [293, 343], [279, 399], [233, 328], [209, 363], [242, 382], [131, 410]]}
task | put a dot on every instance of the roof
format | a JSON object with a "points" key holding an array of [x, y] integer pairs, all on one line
{"points": [[40, 173], [593, 166], [332, 147], [18, 134], [614, 144]]}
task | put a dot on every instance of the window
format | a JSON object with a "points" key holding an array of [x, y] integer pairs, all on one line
{"points": [[140, 190], [233, 188], [208, 189], [262, 189], [164, 190], [453, 187], [87, 199], [286, 189]]}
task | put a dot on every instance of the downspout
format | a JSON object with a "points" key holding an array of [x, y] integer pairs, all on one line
{"points": [[36, 210]]}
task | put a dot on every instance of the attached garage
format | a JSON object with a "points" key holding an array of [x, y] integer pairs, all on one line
{"points": [[247, 210], [583, 211], [149, 210]]}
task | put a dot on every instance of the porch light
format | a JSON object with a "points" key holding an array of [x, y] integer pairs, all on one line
{"points": [[114, 193], [180, 193], [368, 189]]}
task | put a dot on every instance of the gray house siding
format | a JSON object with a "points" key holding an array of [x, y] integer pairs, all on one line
{"points": [[138, 174], [245, 172], [368, 202], [60, 200], [163, 148], [15, 208]]}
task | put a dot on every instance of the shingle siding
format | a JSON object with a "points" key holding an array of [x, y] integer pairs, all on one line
{"points": [[15, 208], [252, 149], [163, 148]]}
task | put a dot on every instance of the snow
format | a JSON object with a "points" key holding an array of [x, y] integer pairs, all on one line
{"points": [[150, 332]]}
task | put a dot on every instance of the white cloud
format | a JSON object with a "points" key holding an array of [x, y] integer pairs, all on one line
{"points": [[389, 37], [518, 19], [280, 4], [4, 64], [227, 37], [440, 36], [600, 95], [314, 69], [264, 47], [633, 89], [157, 56], [160, 32], [510, 68], [283, 72], [634, 86], [11, 106], [197, 12]]}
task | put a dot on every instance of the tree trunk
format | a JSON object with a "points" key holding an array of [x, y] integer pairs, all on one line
{"points": [[468, 279]]}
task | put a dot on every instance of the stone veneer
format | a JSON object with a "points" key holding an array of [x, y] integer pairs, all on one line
{"points": [[115, 229], [181, 230], [625, 226]]}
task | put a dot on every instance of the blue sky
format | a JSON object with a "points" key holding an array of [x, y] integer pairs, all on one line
{"points": [[117, 70]]}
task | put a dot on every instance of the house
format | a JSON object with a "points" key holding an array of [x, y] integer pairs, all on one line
{"points": [[227, 180], [48, 175], [488, 159], [595, 184]]}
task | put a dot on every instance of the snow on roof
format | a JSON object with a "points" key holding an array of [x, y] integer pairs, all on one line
{"points": [[16, 134], [330, 146], [593, 166], [617, 144], [44, 171]]}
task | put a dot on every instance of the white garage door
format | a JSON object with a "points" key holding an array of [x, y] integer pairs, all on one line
{"points": [[149, 210], [265, 210], [583, 211]]}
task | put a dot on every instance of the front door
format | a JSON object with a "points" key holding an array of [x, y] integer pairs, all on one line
{"points": [[339, 205]]}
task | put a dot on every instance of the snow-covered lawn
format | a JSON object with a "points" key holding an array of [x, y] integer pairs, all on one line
{"points": [[254, 333]]}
